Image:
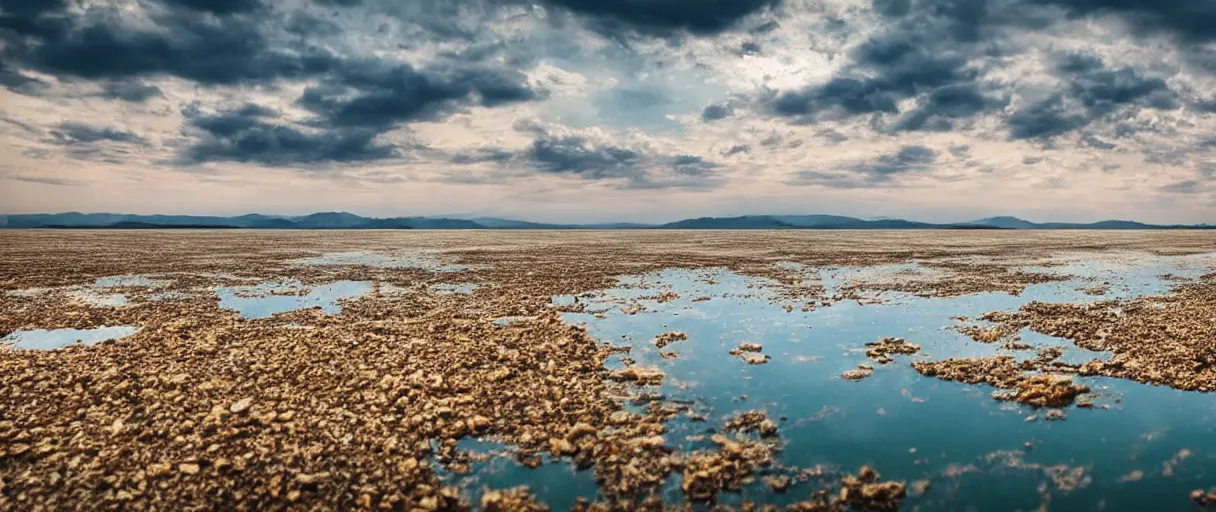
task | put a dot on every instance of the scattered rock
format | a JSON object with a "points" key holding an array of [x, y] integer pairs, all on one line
{"points": [[866, 492], [668, 338], [880, 351], [240, 406], [640, 375], [750, 353], [859, 373], [511, 500], [748, 346], [1134, 476], [1048, 391], [778, 483], [1204, 499], [752, 421]]}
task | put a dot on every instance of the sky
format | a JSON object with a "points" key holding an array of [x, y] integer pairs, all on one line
{"points": [[612, 110]]}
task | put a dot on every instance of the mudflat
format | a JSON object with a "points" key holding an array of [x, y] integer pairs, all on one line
{"points": [[266, 370]]}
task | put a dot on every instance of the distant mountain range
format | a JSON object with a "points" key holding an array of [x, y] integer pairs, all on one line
{"points": [[343, 220]]}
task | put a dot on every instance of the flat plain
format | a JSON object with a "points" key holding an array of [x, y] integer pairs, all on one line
{"points": [[607, 370]]}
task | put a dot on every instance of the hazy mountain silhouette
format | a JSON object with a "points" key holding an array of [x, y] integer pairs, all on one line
{"points": [[346, 220]]}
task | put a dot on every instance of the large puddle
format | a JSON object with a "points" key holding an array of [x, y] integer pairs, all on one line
{"points": [[43, 339], [1145, 452], [270, 298]]}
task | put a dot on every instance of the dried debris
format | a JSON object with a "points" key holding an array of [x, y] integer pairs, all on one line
{"points": [[880, 351], [668, 338], [752, 421], [706, 474], [861, 372], [511, 500], [639, 374], [1047, 391], [1004, 373], [1206, 499], [750, 353]]}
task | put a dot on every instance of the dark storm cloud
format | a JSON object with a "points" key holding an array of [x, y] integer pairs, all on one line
{"points": [[715, 112], [373, 94], [15, 81], [1044, 119], [252, 134], [208, 50], [888, 68], [219, 6], [229, 48], [893, 8], [927, 50], [1091, 92], [1192, 20], [1078, 62], [1207, 106], [576, 155], [938, 110], [22, 8], [1102, 90], [662, 17], [78, 133], [131, 91], [354, 99], [690, 165], [908, 158]]}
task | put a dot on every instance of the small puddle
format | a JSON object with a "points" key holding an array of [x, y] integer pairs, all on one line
{"points": [[269, 298], [556, 483], [98, 299], [43, 339]]}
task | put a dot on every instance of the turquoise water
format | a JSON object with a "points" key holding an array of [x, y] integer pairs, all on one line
{"points": [[261, 301], [978, 453], [43, 339], [558, 481]]}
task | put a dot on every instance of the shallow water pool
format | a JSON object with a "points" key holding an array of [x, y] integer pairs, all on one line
{"points": [[269, 298], [1146, 452], [44, 339]]}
